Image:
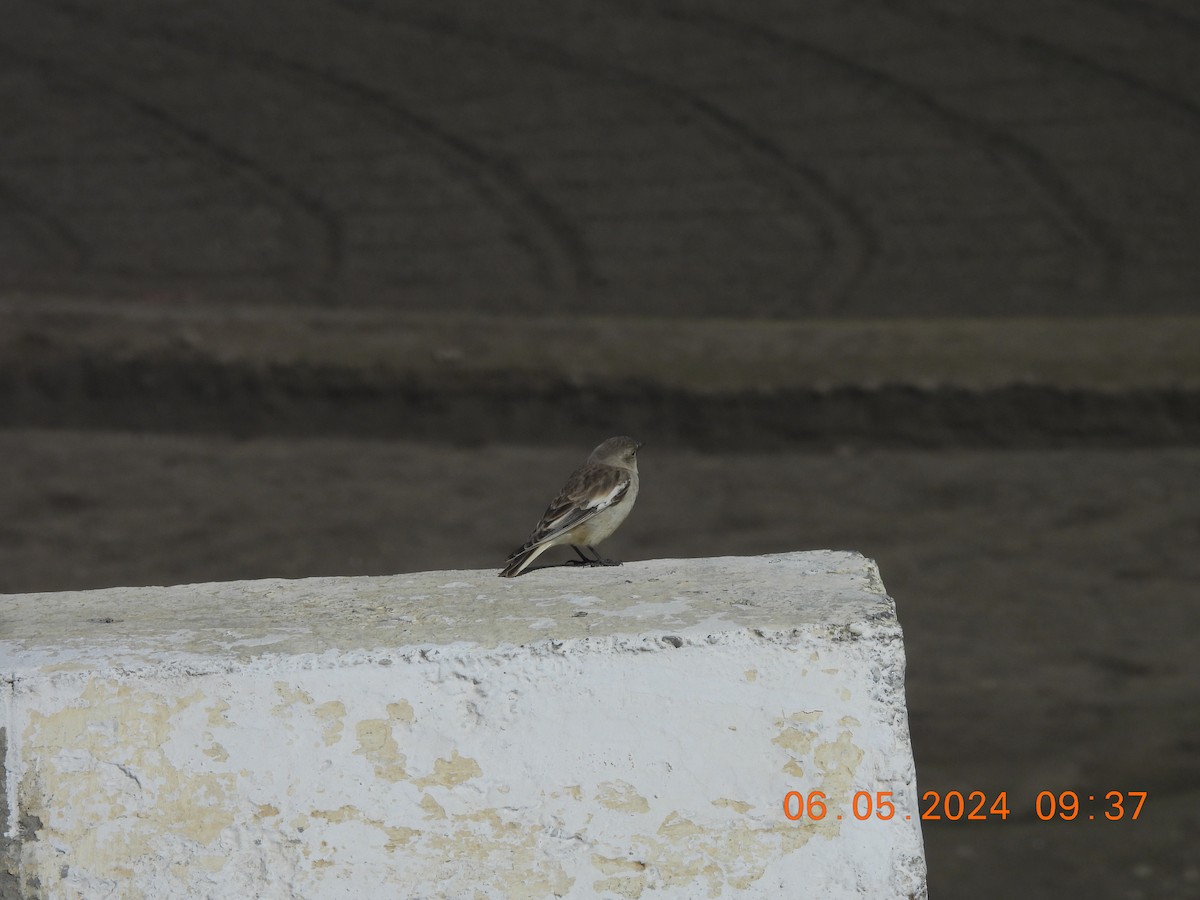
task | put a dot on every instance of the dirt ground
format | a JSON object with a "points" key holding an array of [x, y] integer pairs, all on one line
{"points": [[1048, 598], [846, 158]]}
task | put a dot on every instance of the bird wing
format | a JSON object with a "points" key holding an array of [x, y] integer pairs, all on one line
{"points": [[592, 488]]}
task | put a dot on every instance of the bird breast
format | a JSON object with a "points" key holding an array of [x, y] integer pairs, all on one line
{"points": [[605, 522]]}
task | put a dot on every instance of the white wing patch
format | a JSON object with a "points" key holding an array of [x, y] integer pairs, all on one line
{"points": [[599, 503]]}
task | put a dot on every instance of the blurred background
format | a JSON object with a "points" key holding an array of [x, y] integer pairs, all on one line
{"points": [[350, 286]]}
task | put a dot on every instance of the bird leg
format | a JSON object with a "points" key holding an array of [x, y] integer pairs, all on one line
{"points": [[601, 561], [582, 561], [595, 559]]}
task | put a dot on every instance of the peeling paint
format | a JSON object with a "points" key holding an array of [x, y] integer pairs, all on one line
{"points": [[612, 866], [480, 755], [794, 740], [450, 772], [433, 809], [216, 714], [376, 743], [102, 766], [331, 715], [631, 886], [739, 806], [288, 695], [401, 711], [621, 796]]}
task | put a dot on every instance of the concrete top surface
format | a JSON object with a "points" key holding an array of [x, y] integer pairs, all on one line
{"points": [[230, 624]]}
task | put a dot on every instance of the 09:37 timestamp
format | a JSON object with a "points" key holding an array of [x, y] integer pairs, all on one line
{"points": [[976, 806]]}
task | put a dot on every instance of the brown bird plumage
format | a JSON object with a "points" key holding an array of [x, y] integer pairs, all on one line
{"points": [[592, 504]]}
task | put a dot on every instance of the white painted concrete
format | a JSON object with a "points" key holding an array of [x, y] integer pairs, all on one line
{"points": [[621, 732]]}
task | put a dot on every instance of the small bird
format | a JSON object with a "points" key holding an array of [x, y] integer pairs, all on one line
{"points": [[595, 500]]}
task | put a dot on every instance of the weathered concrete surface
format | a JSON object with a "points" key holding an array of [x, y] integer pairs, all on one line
{"points": [[611, 732]]}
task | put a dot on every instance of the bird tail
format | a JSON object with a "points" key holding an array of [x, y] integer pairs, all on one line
{"points": [[521, 558]]}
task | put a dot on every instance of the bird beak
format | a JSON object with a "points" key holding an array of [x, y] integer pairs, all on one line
{"points": [[638, 447]]}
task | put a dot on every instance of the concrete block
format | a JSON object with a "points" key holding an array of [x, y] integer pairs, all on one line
{"points": [[615, 732]]}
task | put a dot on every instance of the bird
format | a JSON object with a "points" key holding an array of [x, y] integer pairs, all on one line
{"points": [[592, 504]]}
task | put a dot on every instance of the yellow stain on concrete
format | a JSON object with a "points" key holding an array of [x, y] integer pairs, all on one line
{"points": [[738, 806], [706, 860], [102, 761], [216, 751], [450, 772], [288, 696], [621, 795], [703, 860], [396, 836], [401, 711], [376, 743], [344, 813], [751, 674], [509, 855], [134, 723], [795, 741], [675, 827], [433, 809], [331, 716], [849, 722], [801, 717], [631, 886], [216, 714], [839, 760], [610, 866], [743, 882]]}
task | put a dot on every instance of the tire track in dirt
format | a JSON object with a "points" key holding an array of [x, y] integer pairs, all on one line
{"points": [[1179, 112], [1152, 13], [541, 230], [1056, 53], [318, 279], [1075, 220], [46, 230], [847, 239]]}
